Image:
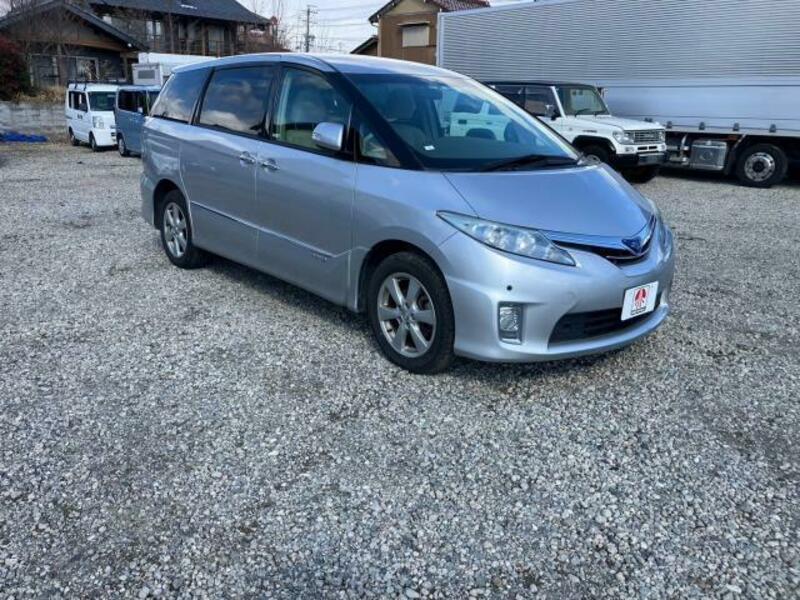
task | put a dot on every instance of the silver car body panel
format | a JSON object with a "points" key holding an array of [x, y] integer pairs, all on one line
{"points": [[312, 219]]}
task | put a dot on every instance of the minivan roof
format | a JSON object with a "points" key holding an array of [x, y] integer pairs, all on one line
{"points": [[140, 88], [535, 82], [345, 63]]}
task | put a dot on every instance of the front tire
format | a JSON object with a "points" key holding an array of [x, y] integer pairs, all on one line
{"points": [[176, 233], [411, 313], [762, 166], [642, 174], [121, 147], [596, 153], [93, 143]]}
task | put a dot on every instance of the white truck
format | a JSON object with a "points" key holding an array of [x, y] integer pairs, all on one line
{"points": [[154, 68], [89, 112], [722, 76]]}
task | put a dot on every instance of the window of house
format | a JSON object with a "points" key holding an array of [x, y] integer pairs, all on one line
{"points": [[177, 99], [236, 99], [306, 100], [416, 35], [154, 29]]}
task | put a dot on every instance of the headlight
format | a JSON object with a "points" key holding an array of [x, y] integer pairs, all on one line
{"points": [[662, 135], [97, 122], [623, 137], [514, 240]]}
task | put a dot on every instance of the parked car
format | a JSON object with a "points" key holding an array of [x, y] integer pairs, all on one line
{"points": [[577, 111], [89, 110], [132, 105], [343, 176], [727, 92]]}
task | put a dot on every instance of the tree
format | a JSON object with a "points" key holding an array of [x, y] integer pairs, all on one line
{"points": [[13, 70]]}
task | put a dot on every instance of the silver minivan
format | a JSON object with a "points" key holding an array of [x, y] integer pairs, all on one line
{"points": [[356, 179]]}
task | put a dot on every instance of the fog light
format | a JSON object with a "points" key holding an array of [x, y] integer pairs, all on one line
{"points": [[509, 322]]}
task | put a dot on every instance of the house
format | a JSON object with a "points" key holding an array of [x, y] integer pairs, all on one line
{"points": [[407, 28], [100, 39], [368, 47]]}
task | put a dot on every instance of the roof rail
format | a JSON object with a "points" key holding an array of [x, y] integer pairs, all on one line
{"points": [[85, 82]]}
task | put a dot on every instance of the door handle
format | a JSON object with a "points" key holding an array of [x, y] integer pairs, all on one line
{"points": [[270, 165], [247, 159]]}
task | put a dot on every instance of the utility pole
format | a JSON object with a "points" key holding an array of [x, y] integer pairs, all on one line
{"points": [[308, 36]]}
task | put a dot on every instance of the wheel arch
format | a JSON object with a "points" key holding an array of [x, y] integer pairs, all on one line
{"points": [[587, 140], [376, 254], [163, 187]]}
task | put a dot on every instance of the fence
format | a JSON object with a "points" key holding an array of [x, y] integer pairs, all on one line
{"points": [[33, 118]]}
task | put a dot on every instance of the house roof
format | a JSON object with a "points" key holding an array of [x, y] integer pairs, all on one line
{"points": [[95, 21], [221, 10], [370, 41], [444, 5]]}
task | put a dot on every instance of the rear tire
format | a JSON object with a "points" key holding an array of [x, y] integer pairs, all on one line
{"points": [[73, 141], [93, 143], [762, 166], [642, 174], [423, 316], [121, 147], [176, 233]]}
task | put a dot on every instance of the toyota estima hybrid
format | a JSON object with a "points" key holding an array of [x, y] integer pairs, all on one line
{"points": [[347, 176]]}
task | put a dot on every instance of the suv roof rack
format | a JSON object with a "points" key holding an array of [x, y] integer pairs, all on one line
{"points": [[84, 82]]}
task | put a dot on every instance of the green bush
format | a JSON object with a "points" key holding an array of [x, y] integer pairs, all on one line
{"points": [[13, 70]]}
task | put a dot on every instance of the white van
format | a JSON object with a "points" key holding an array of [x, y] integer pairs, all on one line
{"points": [[89, 108]]}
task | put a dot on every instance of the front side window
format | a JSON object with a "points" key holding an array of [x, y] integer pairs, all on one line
{"points": [[126, 101], [102, 100], [453, 123], [538, 98], [305, 100], [176, 101], [236, 99], [581, 100]]}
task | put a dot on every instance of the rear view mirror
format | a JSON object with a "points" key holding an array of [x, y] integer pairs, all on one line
{"points": [[329, 136], [550, 112]]}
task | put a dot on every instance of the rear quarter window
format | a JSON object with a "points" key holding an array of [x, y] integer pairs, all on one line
{"points": [[177, 100]]}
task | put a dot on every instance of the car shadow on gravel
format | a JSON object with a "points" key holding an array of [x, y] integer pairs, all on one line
{"points": [[462, 368]]}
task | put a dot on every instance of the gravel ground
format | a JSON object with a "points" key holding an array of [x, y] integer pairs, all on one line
{"points": [[220, 433]]}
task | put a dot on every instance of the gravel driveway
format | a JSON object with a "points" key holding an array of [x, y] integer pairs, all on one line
{"points": [[220, 433]]}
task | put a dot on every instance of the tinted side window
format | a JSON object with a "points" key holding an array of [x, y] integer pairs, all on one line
{"points": [[236, 99], [125, 101], [178, 98], [306, 100]]}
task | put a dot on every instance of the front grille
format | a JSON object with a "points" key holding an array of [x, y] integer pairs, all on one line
{"points": [[647, 137], [582, 326]]}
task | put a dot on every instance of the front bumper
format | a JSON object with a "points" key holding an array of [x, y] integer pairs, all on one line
{"points": [[480, 278], [105, 137]]}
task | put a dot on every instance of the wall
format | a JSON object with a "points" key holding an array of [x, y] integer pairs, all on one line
{"points": [[34, 118], [391, 36]]}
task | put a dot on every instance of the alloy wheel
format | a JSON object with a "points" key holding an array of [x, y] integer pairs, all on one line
{"points": [[406, 314], [176, 231]]}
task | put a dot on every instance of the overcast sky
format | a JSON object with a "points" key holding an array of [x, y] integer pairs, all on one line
{"points": [[340, 25]]}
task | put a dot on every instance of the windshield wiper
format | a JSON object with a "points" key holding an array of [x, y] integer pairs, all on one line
{"points": [[532, 160]]}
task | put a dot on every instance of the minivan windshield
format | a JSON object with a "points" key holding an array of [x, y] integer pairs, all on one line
{"points": [[456, 124], [102, 100], [581, 100]]}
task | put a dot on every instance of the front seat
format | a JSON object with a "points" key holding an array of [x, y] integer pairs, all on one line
{"points": [[399, 110]]}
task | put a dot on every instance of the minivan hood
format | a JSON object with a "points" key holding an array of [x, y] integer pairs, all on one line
{"points": [[591, 200]]}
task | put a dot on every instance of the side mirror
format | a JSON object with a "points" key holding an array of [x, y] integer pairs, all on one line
{"points": [[550, 112], [329, 136]]}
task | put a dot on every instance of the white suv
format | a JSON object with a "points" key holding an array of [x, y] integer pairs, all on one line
{"points": [[89, 109], [578, 112]]}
